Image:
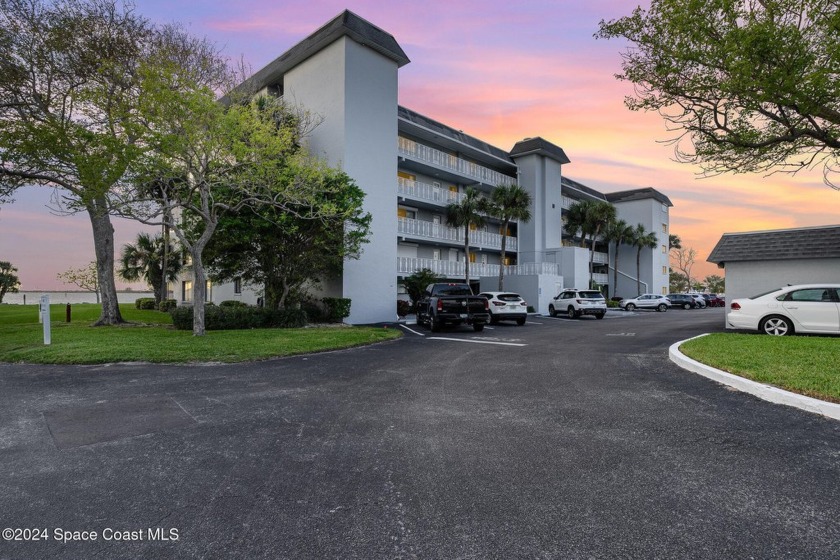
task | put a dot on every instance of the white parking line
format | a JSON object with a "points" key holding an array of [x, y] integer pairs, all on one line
{"points": [[412, 331], [476, 341]]}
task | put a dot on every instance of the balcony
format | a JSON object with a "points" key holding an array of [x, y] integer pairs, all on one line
{"points": [[601, 278], [441, 233], [419, 152], [455, 269], [435, 194], [601, 258]]}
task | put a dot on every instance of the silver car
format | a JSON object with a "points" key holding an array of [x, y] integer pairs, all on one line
{"points": [[646, 301]]}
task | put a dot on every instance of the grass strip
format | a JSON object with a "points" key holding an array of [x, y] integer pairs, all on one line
{"points": [[808, 365], [149, 339]]}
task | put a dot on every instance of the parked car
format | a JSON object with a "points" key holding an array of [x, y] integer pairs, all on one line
{"points": [[804, 308], [715, 300], [506, 306], [646, 301], [575, 303], [701, 301], [452, 304], [682, 300]]}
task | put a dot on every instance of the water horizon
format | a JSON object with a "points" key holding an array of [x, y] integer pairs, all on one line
{"points": [[33, 297]]}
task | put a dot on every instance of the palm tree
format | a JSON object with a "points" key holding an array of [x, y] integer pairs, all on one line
{"points": [[575, 220], [618, 232], [600, 214], [509, 202], [642, 238], [144, 260], [467, 213]]}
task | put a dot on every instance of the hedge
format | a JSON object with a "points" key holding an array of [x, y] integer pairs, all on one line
{"points": [[217, 318]]}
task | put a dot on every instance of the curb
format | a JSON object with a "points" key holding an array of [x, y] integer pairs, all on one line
{"points": [[760, 390]]}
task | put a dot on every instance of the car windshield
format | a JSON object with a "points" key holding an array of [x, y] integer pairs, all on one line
{"points": [[455, 291], [591, 295]]}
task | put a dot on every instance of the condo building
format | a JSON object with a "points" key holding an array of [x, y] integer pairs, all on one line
{"points": [[412, 166]]}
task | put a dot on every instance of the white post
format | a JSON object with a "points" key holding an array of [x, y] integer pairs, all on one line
{"points": [[45, 317]]}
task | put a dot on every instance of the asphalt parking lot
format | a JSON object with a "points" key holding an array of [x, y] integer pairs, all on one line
{"points": [[559, 439]]}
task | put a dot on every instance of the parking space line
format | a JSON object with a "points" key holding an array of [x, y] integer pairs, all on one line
{"points": [[412, 331], [476, 341]]}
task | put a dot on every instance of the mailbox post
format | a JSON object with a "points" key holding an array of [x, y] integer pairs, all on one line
{"points": [[45, 317]]}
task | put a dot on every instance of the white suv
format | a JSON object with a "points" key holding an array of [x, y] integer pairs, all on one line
{"points": [[575, 303], [646, 301]]}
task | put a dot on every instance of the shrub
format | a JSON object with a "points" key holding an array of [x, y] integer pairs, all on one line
{"points": [[145, 303], [403, 307], [531, 309], [314, 310], [233, 303], [336, 308], [612, 304], [167, 305], [228, 317]]}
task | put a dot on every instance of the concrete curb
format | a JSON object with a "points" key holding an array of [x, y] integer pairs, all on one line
{"points": [[760, 390]]}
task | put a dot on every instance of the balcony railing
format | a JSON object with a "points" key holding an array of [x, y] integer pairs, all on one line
{"points": [[601, 258], [439, 232], [455, 269], [567, 202], [601, 278], [426, 192], [412, 149]]}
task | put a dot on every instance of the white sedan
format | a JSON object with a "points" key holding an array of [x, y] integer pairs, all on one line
{"points": [[805, 308]]}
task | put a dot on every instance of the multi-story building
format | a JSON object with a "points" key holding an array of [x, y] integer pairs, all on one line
{"points": [[411, 167]]}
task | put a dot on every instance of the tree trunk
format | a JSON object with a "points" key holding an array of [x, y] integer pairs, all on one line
{"points": [[164, 267], [592, 264], [199, 293], [103, 243], [504, 247], [467, 253], [615, 270], [639, 271]]}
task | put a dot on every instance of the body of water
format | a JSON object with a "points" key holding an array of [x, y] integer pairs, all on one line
{"points": [[33, 298]]}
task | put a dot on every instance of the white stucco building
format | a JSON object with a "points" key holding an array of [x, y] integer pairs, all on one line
{"points": [[411, 166]]}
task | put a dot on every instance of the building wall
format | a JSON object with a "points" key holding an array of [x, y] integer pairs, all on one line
{"points": [[537, 289], [654, 216], [540, 176], [746, 279], [354, 90]]}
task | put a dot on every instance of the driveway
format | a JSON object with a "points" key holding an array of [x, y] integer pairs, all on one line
{"points": [[560, 439]]}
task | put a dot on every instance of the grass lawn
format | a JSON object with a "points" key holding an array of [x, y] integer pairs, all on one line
{"points": [[809, 365], [150, 337]]}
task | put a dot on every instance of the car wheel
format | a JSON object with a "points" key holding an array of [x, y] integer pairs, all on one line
{"points": [[776, 326], [599, 315], [662, 308], [686, 306], [478, 327], [552, 311], [629, 307], [434, 324], [572, 313], [520, 322]]}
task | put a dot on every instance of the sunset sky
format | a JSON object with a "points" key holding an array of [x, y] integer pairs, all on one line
{"points": [[500, 71]]}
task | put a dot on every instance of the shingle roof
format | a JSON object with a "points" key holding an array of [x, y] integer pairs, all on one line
{"points": [[539, 146], [638, 194], [431, 124], [346, 23], [580, 187], [783, 244]]}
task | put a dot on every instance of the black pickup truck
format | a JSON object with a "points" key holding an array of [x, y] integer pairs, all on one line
{"points": [[452, 304]]}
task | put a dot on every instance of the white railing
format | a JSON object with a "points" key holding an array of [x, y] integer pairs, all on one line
{"points": [[601, 278], [439, 232], [447, 269], [412, 149], [567, 202], [601, 258], [455, 269], [427, 192]]}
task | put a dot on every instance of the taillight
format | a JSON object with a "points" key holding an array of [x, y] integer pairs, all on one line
{"points": [[735, 306], [499, 303], [440, 305], [487, 305]]}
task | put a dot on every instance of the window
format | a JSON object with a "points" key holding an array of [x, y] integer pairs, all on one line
{"points": [[472, 257], [436, 254], [665, 208], [406, 176], [483, 258], [406, 213], [664, 270], [186, 290], [664, 249], [664, 228], [813, 294], [237, 285]]}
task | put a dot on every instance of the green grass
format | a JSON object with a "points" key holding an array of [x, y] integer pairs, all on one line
{"points": [[151, 338], [809, 365]]}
